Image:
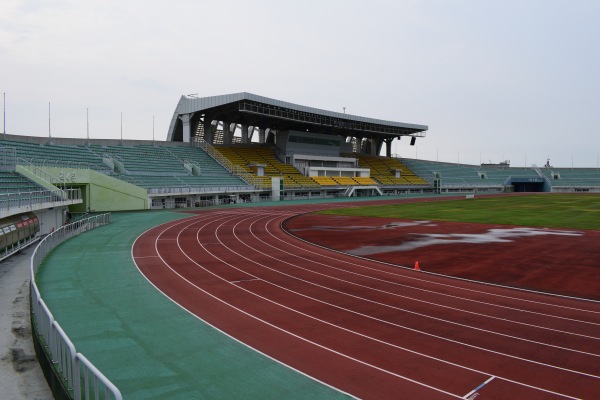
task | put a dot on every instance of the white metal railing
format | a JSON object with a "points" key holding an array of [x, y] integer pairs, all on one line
{"points": [[82, 379], [10, 201], [8, 158], [198, 190], [18, 246], [38, 162], [38, 171]]}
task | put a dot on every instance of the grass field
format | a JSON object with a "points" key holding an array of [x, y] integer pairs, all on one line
{"points": [[541, 210]]}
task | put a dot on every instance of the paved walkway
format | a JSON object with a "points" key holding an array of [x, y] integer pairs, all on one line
{"points": [[145, 344], [20, 373]]}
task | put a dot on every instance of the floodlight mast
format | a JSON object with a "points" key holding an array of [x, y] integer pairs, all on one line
{"points": [[4, 116]]}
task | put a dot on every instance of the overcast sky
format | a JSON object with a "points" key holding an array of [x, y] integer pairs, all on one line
{"points": [[494, 80]]}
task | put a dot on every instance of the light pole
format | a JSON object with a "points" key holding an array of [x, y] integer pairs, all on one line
{"points": [[49, 131], [4, 116]]}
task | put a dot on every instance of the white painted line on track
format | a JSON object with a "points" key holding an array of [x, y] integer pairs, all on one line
{"points": [[245, 280], [466, 396]]}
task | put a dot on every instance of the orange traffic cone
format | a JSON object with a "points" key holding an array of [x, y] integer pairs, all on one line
{"points": [[417, 266]]}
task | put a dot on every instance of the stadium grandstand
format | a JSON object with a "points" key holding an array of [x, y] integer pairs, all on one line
{"points": [[247, 148], [219, 150]]}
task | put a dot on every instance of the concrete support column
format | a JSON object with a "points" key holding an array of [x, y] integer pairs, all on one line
{"points": [[378, 144], [362, 145], [359, 144], [185, 122], [269, 135], [227, 133], [373, 147], [261, 135], [245, 134], [209, 133], [388, 147]]}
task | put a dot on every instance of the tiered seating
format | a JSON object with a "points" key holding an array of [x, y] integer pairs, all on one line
{"points": [[146, 165], [11, 182], [345, 180], [458, 175], [145, 158], [247, 156], [365, 181], [325, 181], [58, 155], [206, 163], [580, 177], [500, 175], [382, 170]]}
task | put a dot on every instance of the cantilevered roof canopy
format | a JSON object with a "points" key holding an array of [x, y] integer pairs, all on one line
{"points": [[263, 112]]}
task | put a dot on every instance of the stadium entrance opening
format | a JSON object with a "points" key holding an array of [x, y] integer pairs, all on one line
{"points": [[528, 184]]}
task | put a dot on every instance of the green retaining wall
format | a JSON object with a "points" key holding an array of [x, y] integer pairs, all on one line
{"points": [[101, 193]]}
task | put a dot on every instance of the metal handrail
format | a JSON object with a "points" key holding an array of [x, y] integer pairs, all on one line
{"points": [[71, 366], [27, 199]]}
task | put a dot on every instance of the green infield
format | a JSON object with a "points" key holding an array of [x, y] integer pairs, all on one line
{"points": [[545, 210]]}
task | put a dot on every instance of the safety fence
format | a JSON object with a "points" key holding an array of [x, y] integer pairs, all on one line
{"points": [[18, 200], [80, 378]]}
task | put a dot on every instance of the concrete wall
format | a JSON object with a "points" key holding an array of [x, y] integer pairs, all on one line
{"points": [[51, 219], [101, 192]]}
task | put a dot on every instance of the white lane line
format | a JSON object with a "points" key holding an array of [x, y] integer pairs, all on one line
{"points": [[245, 280], [466, 396]]}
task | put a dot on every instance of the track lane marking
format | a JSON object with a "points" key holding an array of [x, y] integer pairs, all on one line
{"points": [[466, 396]]}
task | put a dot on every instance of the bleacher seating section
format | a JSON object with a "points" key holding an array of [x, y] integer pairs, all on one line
{"points": [[159, 166], [383, 170], [581, 177], [247, 156], [325, 181], [145, 165], [11, 182]]}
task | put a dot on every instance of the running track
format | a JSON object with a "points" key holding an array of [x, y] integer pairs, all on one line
{"points": [[372, 330]]}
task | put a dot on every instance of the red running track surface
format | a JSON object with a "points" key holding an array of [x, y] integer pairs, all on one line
{"points": [[373, 330]]}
